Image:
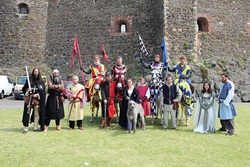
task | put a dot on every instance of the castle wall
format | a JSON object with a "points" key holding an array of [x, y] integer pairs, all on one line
{"points": [[226, 47], [23, 37], [94, 22]]}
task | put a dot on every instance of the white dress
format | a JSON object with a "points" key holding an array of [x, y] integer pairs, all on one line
{"points": [[205, 114]]}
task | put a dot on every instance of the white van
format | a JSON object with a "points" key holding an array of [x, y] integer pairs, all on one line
{"points": [[6, 86]]}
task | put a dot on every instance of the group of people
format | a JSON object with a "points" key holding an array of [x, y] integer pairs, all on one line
{"points": [[117, 88]]}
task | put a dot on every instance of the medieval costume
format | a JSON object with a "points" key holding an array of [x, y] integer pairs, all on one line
{"points": [[108, 93], [54, 105], [75, 95], [170, 94], [204, 117], [34, 107], [157, 75], [96, 71], [133, 95], [227, 110], [119, 73], [144, 96]]}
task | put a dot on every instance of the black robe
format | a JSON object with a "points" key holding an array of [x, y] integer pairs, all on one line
{"points": [[41, 91], [124, 105], [54, 104]]}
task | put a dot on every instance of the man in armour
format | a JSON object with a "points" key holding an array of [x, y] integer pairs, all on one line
{"points": [[183, 72], [34, 106], [119, 70], [54, 105], [96, 69], [159, 68]]}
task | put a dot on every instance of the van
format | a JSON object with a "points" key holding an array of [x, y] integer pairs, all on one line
{"points": [[18, 93], [6, 86]]}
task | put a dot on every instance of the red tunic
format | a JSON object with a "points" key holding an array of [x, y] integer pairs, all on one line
{"points": [[142, 89], [111, 99]]}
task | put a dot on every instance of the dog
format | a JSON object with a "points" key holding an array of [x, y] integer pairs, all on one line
{"points": [[135, 114]]}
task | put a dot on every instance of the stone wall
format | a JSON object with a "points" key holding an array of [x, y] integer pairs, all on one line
{"points": [[226, 47], [23, 37], [94, 22]]}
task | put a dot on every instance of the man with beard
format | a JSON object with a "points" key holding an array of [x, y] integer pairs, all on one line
{"points": [[97, 70], [108, 100], [54, 105], [227, 110], [37, 103]]}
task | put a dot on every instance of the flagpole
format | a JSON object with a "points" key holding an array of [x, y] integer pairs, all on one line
{"points": [[143, 73]]}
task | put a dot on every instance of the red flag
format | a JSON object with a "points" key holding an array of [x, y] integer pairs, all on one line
{"points": [[74, 53], [103, 52]]}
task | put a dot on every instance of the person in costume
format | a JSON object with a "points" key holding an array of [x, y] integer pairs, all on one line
{"points": [[97, 70], [157, 79], [227, 110], [144, 93], [36, 113], [170, 94], [75, 94], [119, 71], [204, 117], [54, 104], [183, 72], [129, 93], [108, 100]]}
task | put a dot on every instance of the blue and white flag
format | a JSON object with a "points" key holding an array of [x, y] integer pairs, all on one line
{"points": [[164, 51]]}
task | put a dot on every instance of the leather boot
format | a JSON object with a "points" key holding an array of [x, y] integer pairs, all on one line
{"points": [[109, 122], [58, 127], [103, 123]]}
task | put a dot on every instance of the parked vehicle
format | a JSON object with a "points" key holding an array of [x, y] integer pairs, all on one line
{"points": [[18, 94], [6, 86]]}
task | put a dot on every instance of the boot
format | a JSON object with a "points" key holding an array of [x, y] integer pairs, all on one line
{"points": [[103, 123], [46, 128], [109, 122], [58, 127], [25, 130]]}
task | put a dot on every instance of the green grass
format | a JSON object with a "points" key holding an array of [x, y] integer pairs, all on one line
{"points": [[114, 147]]}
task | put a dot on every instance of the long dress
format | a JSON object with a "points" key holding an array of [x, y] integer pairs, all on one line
{"points": [[124, 105], [205, 114]]}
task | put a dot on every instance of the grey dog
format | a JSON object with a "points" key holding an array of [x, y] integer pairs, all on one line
{"points": [[135, 110]]}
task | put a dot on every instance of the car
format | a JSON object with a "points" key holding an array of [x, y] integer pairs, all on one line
{"points": [[18, 93], [6, 86]]}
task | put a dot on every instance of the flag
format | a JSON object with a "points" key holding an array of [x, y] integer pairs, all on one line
{"points": [[142, 46], [103, 52], [164, 51], [74, 53]]}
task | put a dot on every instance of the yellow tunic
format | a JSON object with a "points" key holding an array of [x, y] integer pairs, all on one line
{"points": [[75, 109]]}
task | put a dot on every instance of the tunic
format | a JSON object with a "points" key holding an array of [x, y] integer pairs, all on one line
{"points": [[108, 93], [226, 109], [144, 96], [54, 105], [75, 105]]}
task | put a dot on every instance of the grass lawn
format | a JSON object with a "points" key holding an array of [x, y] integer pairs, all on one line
{"points": [[114, 147]]}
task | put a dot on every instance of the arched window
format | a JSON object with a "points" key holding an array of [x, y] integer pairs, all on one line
{"points": [[123, 28], [23, 8], [202, 24]]}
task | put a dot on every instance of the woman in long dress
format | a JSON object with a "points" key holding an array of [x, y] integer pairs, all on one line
{"points": [[129, 93], [205, 113]]}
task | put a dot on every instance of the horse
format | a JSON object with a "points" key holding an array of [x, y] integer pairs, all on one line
{"points": [[120, 85], [185, 105], [155, 87], [95, 96]]}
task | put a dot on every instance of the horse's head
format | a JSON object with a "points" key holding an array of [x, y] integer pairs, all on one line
{"points": [[120, 81], [97, 83]]}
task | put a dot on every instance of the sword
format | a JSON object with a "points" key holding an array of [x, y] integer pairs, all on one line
{"points": [[105, 111]]}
